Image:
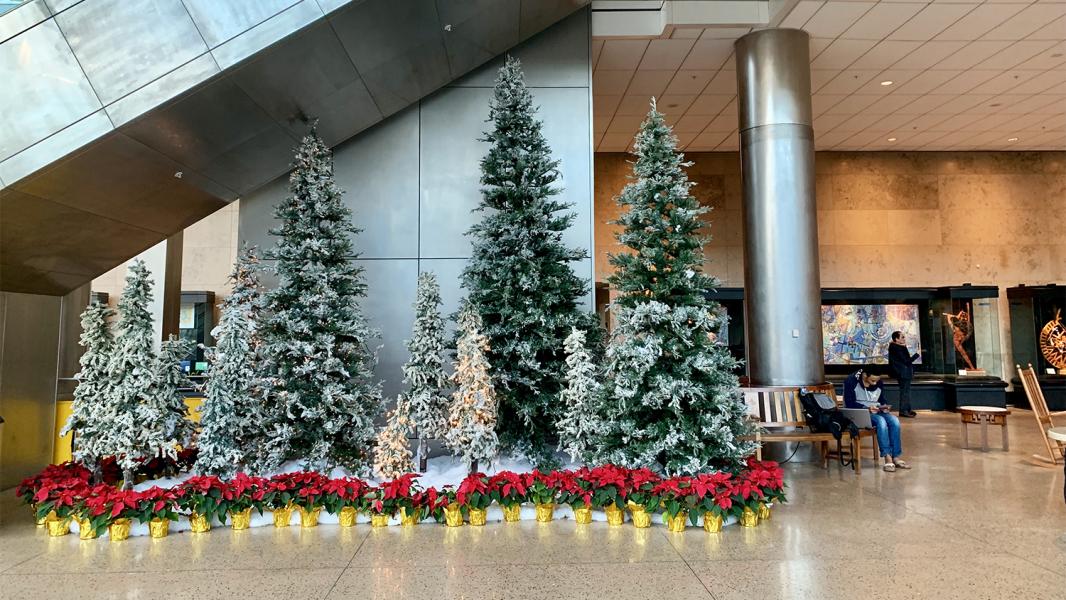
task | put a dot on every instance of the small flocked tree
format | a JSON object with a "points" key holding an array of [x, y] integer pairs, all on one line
{"points": [[91, 393], [317, 343], [392, 455], [672, 399], [520, 275], [163, 411], [472, 416], [424, 372], [231, 416], [579, 425], [122, 430]]}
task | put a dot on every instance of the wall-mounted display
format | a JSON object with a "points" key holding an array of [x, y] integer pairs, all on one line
{"points": [[861, 333]]}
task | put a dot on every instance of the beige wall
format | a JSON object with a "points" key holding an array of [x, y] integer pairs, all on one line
{"points": [[209, 249]]}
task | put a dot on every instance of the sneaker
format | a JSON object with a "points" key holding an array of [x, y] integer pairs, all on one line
{"points": [[890, 467], [910, 414], [901, 464]]}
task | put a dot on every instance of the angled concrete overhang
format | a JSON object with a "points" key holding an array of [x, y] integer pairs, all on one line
{"points": [[124, 122]]}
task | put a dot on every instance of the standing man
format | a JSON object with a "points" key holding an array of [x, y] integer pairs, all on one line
{"points": [[901, 361]]}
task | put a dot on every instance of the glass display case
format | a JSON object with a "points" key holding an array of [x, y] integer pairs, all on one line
{"points": [[1038, 329], [195, 322]]}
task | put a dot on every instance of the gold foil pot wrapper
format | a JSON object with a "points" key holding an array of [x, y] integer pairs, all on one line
{"points": [[453, 515], [545, 512], [764, 512], [478, 516], [119, 530], [583, 515], [199, 523], [58, 527], [379, 520], [282, 516], [51, 516], [512, 514], [347, 516], [309, 518], [749, 518], [158, 528], [676, 523], [640, 517], [86, 531], [408, 519], [712, 523], [615, 515], [241, 519]]}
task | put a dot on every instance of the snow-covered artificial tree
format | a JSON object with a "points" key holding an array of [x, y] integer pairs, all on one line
{"points": [[231, 416], [392, 455], [91, 393], [163, 412], [520, 276], [580, 424], [424, 373], [472, 415], [122, 430], [672, 400], [318, 350]]}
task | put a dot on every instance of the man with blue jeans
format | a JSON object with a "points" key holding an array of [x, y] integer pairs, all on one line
{"points": [[863, 389]]}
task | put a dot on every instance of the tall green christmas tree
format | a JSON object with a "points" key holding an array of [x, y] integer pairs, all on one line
{"points": [[672, 400], [424, 371], [231, 416], [317, 343], [580, 424], [91, 393], [520, 276], [123, 431], [164, 411]]}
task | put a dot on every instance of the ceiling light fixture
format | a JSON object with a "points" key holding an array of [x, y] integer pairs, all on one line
{"points": [[887, 82], [891, 139], [1012, 139]]}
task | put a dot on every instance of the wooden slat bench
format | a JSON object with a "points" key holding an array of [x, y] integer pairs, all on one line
{"points": [[779, 414]]}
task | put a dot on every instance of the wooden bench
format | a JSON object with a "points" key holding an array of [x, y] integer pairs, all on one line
{"points": [[779, 413]]}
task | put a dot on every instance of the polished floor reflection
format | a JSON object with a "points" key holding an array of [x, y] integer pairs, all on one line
{"points": [[962, 524]]}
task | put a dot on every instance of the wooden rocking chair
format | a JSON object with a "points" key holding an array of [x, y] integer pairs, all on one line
{"points": [[1044, 419]]}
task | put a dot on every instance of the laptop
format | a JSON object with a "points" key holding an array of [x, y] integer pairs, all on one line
{"points": [[859, 416]]}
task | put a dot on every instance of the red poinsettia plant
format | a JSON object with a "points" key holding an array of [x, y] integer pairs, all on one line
{"points": [[508, 488], [768, 476], [279, 491], [715, 492], [675, 495], [344, 492], [543, 488], [445, 496], [96, 508], [309, 489], [431, 502], [390, 496], [52, 474], [241, 493], [574, 488], [203, 495], [609, 484], [59, 495], [474, 492], [155, 503], [640, 484]]}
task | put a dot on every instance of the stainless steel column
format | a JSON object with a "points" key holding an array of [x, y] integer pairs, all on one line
{"points": [[782, 295]]}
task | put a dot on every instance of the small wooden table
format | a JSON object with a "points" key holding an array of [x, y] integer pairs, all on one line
{"points": [[984, 416]]}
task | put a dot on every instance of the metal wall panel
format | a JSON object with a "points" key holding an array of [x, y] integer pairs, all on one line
{"points": [[389, 308], [449, 171], [256, 215], [123, 45], [478, 30], [220, 21], [266, 33], [449, 273], [40, 70], [23, 17], [381, 187], [62, 142], [29, 338]]}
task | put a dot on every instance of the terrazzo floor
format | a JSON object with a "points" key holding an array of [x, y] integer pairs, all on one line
{"points": [[962, 524]]}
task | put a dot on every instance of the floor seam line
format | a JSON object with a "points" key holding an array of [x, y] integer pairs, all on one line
{"points": [[670, 541], [346, 567]]}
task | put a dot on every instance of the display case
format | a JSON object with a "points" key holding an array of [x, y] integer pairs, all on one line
{"points": [[195, 322], [1038, 338]]}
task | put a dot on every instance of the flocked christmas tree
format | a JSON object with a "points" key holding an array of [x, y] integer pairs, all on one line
{"points": [[163, 412], [580, 424], [519, 276], [472, 416], [317, 343], [424, 372], [392, 455], [123, 432], [231, 416], [672, 399], [91, 393]]}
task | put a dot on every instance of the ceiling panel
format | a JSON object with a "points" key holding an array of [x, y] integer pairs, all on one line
{"points": [[833, 18], [979, 21], [931, 21], [667, 54], [881, 20], [621, 54], [708, 54]]}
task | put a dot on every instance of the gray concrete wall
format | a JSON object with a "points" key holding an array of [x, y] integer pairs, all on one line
{"points": [[412, 181]]}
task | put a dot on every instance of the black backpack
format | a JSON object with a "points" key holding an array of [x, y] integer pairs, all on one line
{"points": [[823, 416]]}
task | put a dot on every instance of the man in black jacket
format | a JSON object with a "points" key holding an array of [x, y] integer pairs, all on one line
{"points": [[902, 362]]}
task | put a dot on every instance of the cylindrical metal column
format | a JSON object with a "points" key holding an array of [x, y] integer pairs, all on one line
{"points": [[782, 289]]}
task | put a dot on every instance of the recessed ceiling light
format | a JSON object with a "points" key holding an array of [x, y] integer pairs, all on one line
{"points": [[996, 105], [1012, 139], [887, 82], [891, 139]]}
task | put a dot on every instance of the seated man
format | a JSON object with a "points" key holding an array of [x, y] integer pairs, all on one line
{"points": [[863, 389]]}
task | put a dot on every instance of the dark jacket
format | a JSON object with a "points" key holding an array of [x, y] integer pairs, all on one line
{"points": [[901, 361], [857, 395]]}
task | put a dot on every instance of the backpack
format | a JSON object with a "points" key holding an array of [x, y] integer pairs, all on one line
{"points": [[823, 416]]}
